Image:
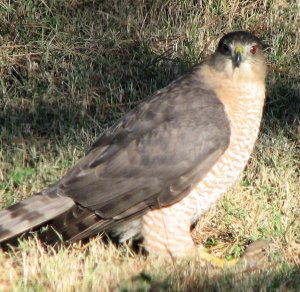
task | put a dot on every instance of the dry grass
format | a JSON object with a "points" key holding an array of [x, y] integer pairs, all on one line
{"points": [[68, 69]]}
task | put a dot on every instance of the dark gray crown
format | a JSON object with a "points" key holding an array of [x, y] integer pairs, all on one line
{"points": [[244, 37]]}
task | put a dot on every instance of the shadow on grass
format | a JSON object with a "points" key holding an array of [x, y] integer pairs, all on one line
{"points": [[282, 108], [284, 277], [107, 87], [78, 72], [113, 84]]}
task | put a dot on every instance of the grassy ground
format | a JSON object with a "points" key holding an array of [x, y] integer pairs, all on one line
{"points": [[68, 69]]}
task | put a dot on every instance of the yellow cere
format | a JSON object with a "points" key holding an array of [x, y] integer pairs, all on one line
{"points": [[238, 49]]}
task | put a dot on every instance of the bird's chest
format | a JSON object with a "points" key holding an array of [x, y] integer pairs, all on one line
{"points": [[245, 120]]}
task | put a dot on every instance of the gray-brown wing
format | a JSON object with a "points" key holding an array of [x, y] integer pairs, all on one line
{"points": [[153, 155]]}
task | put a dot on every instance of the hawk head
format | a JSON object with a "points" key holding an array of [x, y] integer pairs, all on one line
{"points": [[240, 53]]}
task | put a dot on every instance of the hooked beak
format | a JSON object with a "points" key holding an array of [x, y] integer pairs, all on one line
{"points": [[237, 55], [237, 59]]}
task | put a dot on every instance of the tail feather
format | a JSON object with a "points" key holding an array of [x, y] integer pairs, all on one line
{"points": [[76, 224], [31, 213]]}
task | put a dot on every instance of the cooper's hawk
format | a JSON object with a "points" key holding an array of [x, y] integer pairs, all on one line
{"points": [[165, 163]]}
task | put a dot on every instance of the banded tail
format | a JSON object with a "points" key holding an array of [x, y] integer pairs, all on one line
{"points": [[30, 213]]}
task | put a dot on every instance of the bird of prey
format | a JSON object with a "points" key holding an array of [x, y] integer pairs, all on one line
{"points": [[160, 167]]}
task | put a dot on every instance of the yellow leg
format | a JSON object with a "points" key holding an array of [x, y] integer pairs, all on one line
{"points": [[215, 261], [255, 256]]}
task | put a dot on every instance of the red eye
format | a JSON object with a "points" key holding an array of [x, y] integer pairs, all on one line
{"points": [[253, 50]]}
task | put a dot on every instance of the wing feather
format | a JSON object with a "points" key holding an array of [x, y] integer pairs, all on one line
{"points": [[151, 158]]}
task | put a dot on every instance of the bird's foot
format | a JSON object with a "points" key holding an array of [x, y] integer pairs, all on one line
{"points": [[215, 261], [255, 256]]}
